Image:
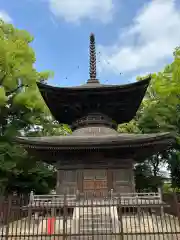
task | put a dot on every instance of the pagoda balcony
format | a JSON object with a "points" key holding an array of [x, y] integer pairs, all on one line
{"points": [[94, 119]]}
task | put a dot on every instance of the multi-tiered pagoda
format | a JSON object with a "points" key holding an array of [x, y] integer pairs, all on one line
{"points": [[95, 158]]}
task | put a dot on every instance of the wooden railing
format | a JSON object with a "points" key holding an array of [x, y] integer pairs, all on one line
{"points": [[133, 197], [51, 198], [150, 195]]}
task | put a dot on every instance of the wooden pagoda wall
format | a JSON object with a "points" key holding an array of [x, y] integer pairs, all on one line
{"points": [[121, 180]]}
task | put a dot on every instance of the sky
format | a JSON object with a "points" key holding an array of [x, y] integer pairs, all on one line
{"points": [[133, 37]]}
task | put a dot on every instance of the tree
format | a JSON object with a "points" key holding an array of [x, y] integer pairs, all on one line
{"points": [[21, 107], [142, 174], [160, 112], [19, 98]]}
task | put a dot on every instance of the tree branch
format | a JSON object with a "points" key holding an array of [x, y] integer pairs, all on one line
{"points": [[16, 89]]}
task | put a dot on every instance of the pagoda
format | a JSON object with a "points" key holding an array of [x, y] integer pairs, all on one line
{"points": [[95, 158]]}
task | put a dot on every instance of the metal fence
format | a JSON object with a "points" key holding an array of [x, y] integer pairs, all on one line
{"points": [[69, 218]]}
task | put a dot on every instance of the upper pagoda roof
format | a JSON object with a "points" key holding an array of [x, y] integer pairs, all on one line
{"points": [[118, 102]]}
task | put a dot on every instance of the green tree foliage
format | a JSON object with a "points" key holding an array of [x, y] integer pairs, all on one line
{"points": [[144, 178], [19, 96], [21, 107], [160, 112]]}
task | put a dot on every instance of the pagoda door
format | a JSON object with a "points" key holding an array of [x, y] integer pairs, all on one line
{"points": [[95, 183]]}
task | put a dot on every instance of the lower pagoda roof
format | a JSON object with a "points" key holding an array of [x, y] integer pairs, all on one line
{"points": [[137, 146], [70, 141]]}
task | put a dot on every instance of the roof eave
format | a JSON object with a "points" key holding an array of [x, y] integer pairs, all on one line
{"points": [[144, 82], [107, 145]]}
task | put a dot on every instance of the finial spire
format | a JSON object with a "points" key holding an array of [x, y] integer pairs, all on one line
{"points": [[92, 60]]}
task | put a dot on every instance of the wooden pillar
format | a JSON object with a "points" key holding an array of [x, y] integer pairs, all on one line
{"points": [[59, 178], [110, 179], [133, 186], [80, 180], [133, 182]]}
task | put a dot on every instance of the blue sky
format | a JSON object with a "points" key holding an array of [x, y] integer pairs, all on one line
{"points": [[133, 37]]}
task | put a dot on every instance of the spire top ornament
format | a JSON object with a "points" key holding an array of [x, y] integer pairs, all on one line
{"points": [[92, 60]]}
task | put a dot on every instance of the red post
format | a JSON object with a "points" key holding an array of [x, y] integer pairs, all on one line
{"points": [[50, 225]]}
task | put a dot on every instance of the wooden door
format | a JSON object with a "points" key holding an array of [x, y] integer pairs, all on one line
{"points": [[95, 183]]}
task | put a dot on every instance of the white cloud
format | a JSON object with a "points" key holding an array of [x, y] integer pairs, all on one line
{"points": [[77, 10], [5, 16], [147, 43]]}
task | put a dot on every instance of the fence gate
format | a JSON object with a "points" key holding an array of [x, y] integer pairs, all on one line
{"points": [[63, 218]]}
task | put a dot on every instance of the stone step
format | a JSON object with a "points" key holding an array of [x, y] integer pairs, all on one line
{"points": [[92, 225], [94, 237], [100, 226], [97, 220]]}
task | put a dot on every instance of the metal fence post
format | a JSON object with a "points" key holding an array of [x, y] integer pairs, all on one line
{"points": [[176, 206], [8, 216], [121, 218], [64, 217], [161, 200]]}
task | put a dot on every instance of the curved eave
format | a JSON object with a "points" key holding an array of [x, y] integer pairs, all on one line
{"points": [[70, 142], [96, 87], [69, 104]]}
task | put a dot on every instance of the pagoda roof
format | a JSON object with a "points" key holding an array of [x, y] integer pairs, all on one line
{"points": [[119, 102], [95, 87], [76, 141], [127, 143]]}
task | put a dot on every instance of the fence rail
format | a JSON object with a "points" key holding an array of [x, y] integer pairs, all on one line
{"points": [[88, 219]]}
